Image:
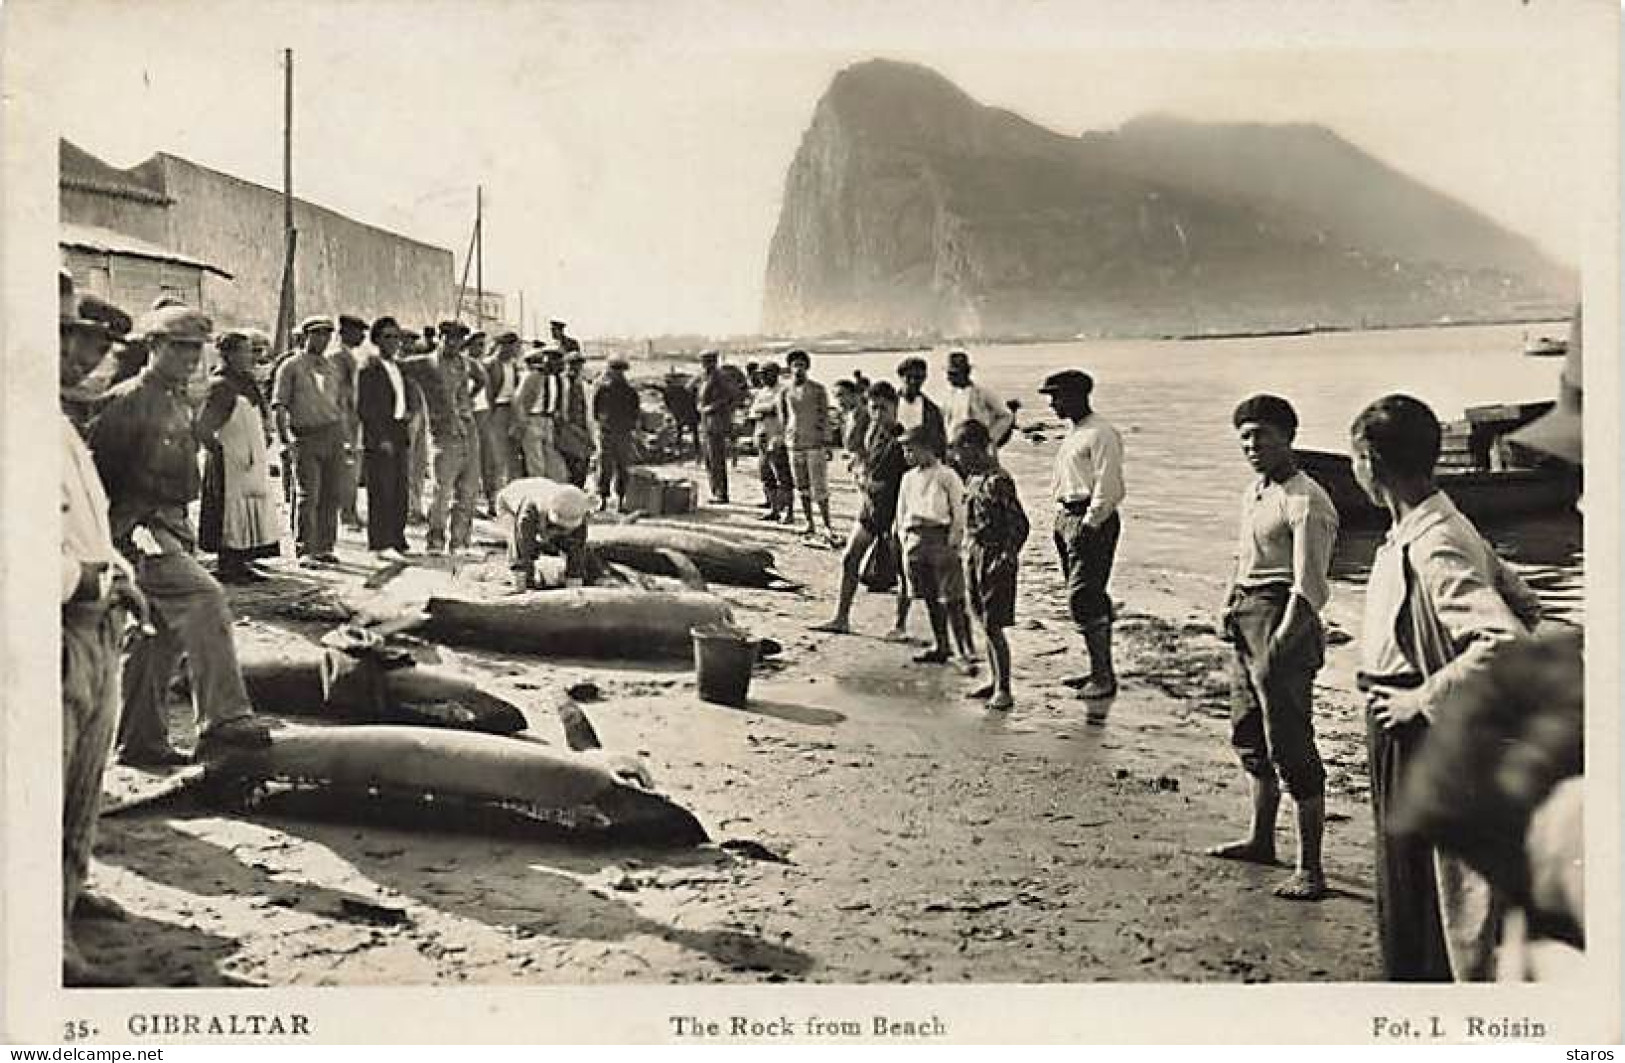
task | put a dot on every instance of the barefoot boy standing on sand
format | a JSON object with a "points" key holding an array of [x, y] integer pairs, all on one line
{"points": [[931, 527], [995, 528], [1288, 529]]}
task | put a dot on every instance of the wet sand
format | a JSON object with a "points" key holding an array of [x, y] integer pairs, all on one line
{"points": [[923, 838]]}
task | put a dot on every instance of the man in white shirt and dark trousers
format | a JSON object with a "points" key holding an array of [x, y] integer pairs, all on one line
{"points": [[1088, 488], [1288, 529], [385, 402]]}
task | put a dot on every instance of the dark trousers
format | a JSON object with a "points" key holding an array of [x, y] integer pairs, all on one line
{"points": [[614, 459], [1271, 721], [773, 464], [714, 447], [318, 458], [526, 543], [1086, 560], [387, 491], [1408, 921], [578, 465]]}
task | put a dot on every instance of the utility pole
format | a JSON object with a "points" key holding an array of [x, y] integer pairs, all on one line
{"points": [[290, 235]]}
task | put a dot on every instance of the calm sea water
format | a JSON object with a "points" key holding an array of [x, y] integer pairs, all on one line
{"points": [[1173, 399]]}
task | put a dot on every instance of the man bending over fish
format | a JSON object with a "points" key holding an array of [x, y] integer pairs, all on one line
{"points": [[544, 517]]}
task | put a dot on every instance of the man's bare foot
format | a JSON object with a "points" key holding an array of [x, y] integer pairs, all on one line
{"points": [[834, 627], [897, 634], [981, 693], [1246, 852], [1303, 886], [933, 656]]}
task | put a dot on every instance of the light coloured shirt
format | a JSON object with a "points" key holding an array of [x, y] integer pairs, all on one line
{"points": [[1288, 530], [1478, 600], [910, 412], [804, 409], [537, 491], [397, 382], [932, 497], [974, 402], [1089, 466], [764, 410], [86, 534]]}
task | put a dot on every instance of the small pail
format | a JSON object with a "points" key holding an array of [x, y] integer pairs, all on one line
{"points": [[723, 658]]}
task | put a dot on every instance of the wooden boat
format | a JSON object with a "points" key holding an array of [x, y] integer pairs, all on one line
{"points": [[1545, 347], [1487, 481]]}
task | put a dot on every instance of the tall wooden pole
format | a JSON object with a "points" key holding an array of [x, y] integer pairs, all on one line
{"points": [[290, 235], [479, 255]]}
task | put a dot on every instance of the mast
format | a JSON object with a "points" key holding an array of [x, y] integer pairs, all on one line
{"points": [[290, 235]]}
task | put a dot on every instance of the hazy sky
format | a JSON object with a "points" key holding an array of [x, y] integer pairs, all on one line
{"points": [[633, 153]]}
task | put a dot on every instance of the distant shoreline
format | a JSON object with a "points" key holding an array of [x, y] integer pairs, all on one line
{"points": [[776, 348]]}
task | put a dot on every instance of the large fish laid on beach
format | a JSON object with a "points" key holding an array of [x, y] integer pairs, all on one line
{"points": [[614, 622], [435, 775], [647, 547], [334, 685]]}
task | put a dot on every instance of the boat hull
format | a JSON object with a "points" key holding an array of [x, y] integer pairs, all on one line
{"points": [[1484, 496]]}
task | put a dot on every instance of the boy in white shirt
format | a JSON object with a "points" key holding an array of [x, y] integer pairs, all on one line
{"points": [[931, 527]]}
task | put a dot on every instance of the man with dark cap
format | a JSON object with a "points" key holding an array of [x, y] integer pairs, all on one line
{"points": [[105, 327], [539, 402], [714, 398], [500, 459], [1087, 488], [146, 456], [347, 358], [449, 385], [572, 424], [915, 409], [99, 593], [1288, 529], [385, 404], [563, 341], [615, 408], [308, 404]]}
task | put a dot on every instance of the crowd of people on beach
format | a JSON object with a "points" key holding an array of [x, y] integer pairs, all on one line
{"points": [[939, 518]]}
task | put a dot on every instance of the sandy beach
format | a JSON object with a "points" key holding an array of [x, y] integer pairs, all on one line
{"points": [[868, 822]]}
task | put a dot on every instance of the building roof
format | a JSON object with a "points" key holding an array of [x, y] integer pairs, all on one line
{"points": [[107, 242], [79, 170]]}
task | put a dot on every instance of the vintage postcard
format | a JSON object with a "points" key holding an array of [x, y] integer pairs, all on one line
{"points": [[838, 522]]}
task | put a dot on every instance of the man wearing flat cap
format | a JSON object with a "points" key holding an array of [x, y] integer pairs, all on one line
{"points": [[499, 456], [1272, 615], [99, 326], [715, 398], [347, 357], [562, 340], [572, 431], [1087, 488], [308, 404], [537, 409], [449, 385], [99, 597], [615, 409], [146, 454]]}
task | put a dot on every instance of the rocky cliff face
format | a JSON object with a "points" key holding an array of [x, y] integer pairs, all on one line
{"points": [[912, 208]]}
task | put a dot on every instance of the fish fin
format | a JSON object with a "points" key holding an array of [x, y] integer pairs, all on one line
{"points": [[579, 733], [687, 571]]}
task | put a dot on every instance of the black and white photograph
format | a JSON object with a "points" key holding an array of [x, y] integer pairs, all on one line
{"points": [[902, 497]]}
